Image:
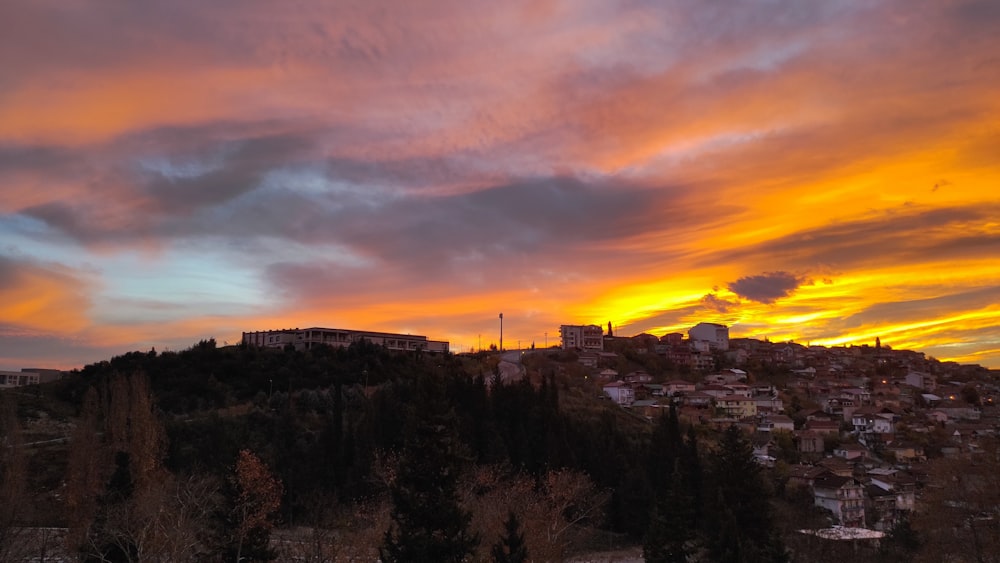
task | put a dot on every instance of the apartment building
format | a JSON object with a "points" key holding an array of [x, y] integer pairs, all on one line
{"points": [[582, 337]]}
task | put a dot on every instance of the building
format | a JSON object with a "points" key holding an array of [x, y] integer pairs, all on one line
{"points": [[716, 335], [28, 376], [843, 496], [582, 337], [305, 339], [620, 392]]}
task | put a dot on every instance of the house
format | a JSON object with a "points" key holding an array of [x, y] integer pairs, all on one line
{"points": [[638, 376], [880, 504], [678, 386], [810, 442], [776, 422], [801, 475], [921, 380], [838, 466], [850, 452], [717, 391], [608, 374], [620, 392], [737, 406], [697, 399], [825, 427], [906, 452], [768, 403], [843, 496]]}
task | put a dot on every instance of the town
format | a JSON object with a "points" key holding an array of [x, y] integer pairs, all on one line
{"points": [[865, 451]]}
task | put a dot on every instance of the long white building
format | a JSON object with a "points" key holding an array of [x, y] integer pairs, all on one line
{"points": [[306, 338]]}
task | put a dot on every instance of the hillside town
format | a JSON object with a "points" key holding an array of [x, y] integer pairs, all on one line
{"points": [[851, 425]]}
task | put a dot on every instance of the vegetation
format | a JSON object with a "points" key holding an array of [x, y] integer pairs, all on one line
{"points": [[234, 453]]}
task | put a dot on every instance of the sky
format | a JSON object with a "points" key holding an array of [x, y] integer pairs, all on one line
{"points": [[175, 170]]}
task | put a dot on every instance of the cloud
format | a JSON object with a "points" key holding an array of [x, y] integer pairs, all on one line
{"points": [[767, 287], [716, 303], [43, 296]]}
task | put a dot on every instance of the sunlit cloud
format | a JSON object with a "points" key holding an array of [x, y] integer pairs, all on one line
{"points": [[823, 172]]}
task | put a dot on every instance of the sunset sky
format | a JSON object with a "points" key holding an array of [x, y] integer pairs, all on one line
{"points": [[173, 170]]}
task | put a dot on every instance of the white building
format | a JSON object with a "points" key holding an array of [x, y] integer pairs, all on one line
{"points": [[620, 392], [582, 337], [304, 339], [716, 335], [29, 376]]}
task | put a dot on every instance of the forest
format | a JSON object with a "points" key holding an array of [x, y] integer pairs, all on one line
{"points": [[359, 454]]}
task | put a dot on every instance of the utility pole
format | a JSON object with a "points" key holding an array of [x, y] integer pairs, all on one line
{"points": [[501, 333]]}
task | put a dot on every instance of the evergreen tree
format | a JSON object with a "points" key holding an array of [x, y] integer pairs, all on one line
{"points": [[511, 547], [427, 522], [739, 525], [670, 528]]}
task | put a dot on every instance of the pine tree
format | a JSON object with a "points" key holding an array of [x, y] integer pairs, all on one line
{"points": [[739, 525], [427, 522], [511, 547], [670, 529]]}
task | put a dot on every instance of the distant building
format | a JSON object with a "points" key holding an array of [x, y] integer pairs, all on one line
{"points": [[716, 335], [582, 337], [28, 376], [305, 339]]}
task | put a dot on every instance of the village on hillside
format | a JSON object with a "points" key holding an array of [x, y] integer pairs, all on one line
{"points": [[853, 426]]}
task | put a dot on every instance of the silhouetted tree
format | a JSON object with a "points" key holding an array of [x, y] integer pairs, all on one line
{"points": [[427, 522], [739, 525], [511, 547]]}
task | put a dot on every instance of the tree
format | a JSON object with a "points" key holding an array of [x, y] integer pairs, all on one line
{"points": [[427, 522], [739, 525], [959, 518], [670, 531], [511, 547], [12, 483], [255, 496]]}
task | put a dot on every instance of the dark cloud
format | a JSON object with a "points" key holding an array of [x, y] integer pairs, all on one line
{"points": [[241, 167], [902, 235], [716, 303], [914, 310], [767, 287]]}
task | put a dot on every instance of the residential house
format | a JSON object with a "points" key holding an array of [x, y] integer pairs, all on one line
{"points": [[825, 427], [767, 403], [717, 391], [697, 399], [906, 452], [737, 406], [810, 442], [678, 386], [801, 475], [620, 392], [921, 380], [638, 377], [776, 422], [850, 452], [843, 496]]}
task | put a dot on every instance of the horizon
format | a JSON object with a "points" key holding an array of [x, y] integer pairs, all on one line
{"points": [[178, 171]]}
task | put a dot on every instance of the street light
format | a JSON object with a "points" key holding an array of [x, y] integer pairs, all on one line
{"points": [[501, 333]]}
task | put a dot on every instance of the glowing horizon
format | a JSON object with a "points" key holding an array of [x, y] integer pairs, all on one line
{"points": [[176, 171]]}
